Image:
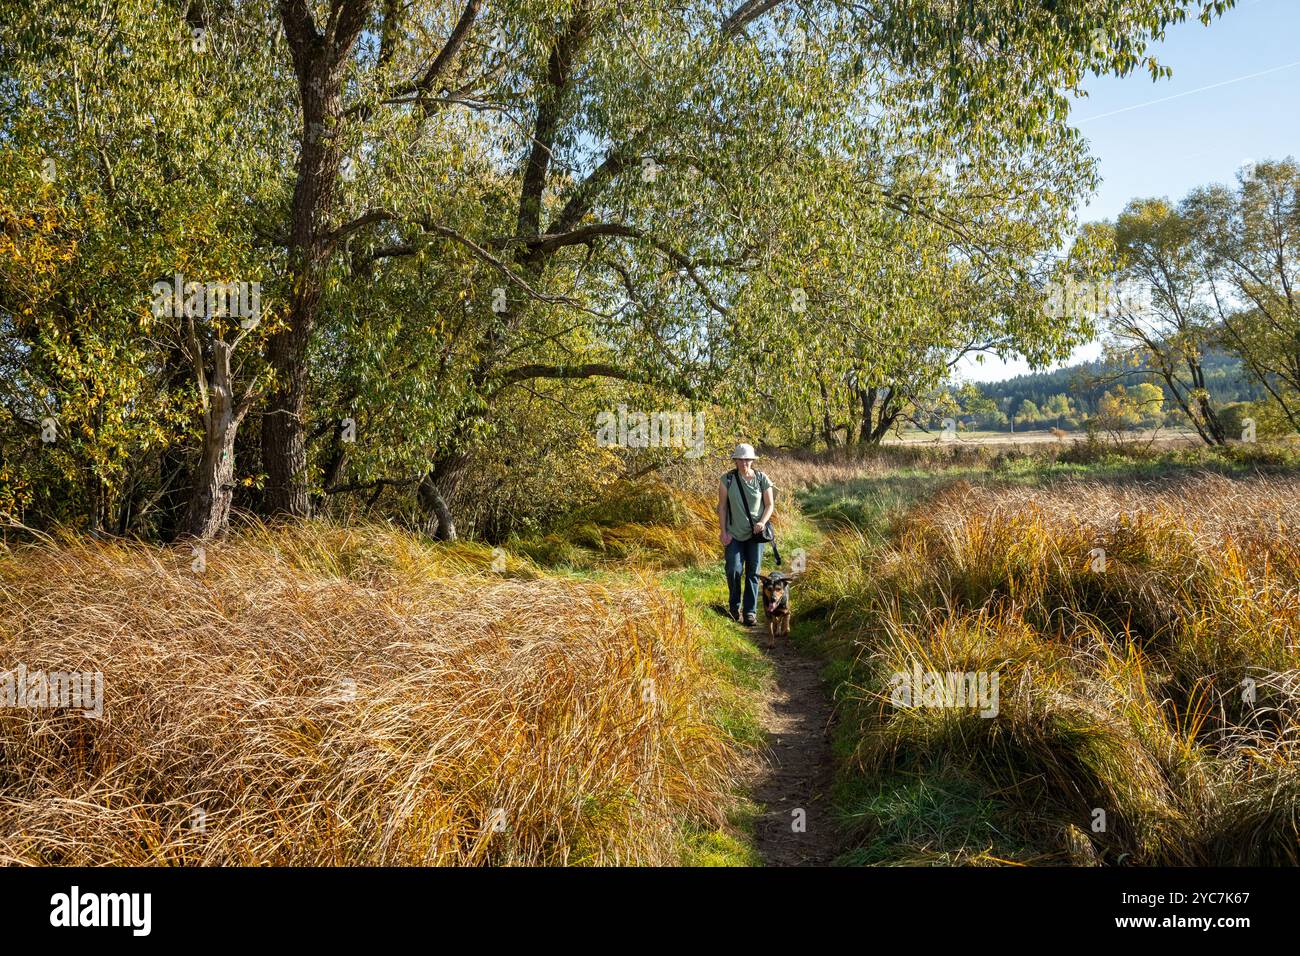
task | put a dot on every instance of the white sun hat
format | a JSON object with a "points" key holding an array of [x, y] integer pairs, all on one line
{"points": [[743, 451]]}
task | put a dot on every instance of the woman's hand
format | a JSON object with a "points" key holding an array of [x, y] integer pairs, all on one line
{"points": [[758, 528], [724, 538]]}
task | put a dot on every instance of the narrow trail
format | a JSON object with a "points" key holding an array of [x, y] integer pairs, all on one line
{"points": [[797, 774]]}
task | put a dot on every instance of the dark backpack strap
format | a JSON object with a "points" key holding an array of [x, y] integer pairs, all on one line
{"points": [[727, 481], [744, 497]]}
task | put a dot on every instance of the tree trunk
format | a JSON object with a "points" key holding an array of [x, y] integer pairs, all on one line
{"points": [[214, 478], [435, 504], [1208, 414], [284, 439], [828, 425], [878, 417], [318, 62], [284, 445], [174, 479], [334, 468], [437, 484], [868, 398]]}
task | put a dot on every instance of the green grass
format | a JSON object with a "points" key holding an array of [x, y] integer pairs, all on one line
{"points": [[871, 503], [743, 674], [741, 668], [936, 818], [732, 847]]}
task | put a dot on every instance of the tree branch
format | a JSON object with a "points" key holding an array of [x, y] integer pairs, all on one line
{"points": [[365, 219], [524, 373], [745, 14], [559, 71], [455, 41]]}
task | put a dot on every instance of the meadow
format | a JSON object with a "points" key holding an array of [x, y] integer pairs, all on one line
{"points": [[358, 484], [1142, 616], [331, 695]]}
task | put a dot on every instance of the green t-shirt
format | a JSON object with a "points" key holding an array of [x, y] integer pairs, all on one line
{"points": [[749, 499]]}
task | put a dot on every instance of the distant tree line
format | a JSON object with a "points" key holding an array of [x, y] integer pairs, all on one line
{"points": [[1064, 397]]}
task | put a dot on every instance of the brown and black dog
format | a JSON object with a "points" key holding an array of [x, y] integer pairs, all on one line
{"points": [[776, 602]]}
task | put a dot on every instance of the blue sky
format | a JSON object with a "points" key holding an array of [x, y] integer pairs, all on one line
{"points": [[1148, 145]]}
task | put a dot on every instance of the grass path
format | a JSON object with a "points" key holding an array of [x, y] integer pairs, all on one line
{"points": [[791, 820]]}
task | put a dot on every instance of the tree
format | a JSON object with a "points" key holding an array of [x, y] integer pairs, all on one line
{"points": [[1149, 400], [1060, 409], [1159, 320], [669, 167], [1122, 410], [451, 205], [984, 410], [1029, 415], [112, 154], [1249, 242], [321, 53], [1116, 413]]}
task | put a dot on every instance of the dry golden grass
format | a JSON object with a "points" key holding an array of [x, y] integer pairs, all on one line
{"points": [[793, 472], [1211, 506], [646, 524], [1122, 688], [328, 696]]}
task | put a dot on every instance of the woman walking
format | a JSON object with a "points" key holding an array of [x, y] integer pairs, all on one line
{"points": [[745, 506]]}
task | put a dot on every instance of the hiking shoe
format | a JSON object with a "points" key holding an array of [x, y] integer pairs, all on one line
{"points": [[751, 620], [734, 614]]}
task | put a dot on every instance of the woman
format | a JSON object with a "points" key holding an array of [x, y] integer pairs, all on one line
{"points": [[745, 506]]}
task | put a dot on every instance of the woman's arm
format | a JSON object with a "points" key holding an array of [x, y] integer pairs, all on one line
{"points": [[769, 505]]}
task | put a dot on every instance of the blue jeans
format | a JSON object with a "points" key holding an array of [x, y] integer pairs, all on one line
{"points": [[744, 560]]}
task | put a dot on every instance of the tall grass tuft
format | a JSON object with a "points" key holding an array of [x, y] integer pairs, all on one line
{"points": [[1150, 701], [329, 696], [646, 523]]}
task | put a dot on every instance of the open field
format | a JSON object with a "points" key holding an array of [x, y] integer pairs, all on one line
{"points": [[323, 695], [1161, 437]]}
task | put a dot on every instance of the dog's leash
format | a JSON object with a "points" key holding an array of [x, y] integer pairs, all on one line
{"points": [[776, 552]]}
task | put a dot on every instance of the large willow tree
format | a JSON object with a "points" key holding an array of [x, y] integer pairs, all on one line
{"points": [[448, 202]]}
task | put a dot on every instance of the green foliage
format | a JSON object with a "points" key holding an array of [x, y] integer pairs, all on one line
{"points": [[474, 209], [1249, 250]]}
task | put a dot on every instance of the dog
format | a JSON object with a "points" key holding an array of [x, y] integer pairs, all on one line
{"points": [[776, 602]]}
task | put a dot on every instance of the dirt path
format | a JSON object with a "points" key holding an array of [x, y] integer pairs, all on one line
{"points": [[798, 771]]}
